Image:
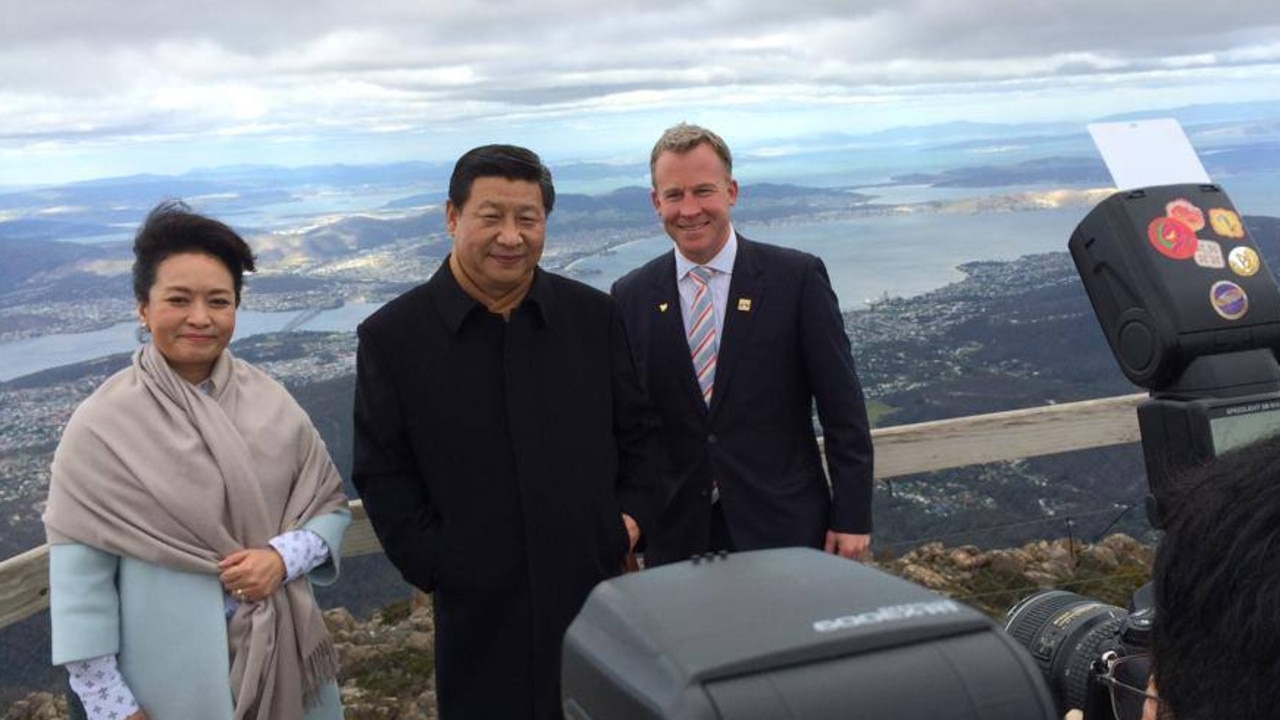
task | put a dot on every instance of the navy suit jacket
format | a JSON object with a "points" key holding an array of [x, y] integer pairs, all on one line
{"points": [[783, 347]]}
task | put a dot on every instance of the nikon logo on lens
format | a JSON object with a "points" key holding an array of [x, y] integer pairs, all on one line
{"points": [[1068, 635]]}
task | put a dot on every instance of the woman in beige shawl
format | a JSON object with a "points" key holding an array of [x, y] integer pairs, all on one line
{"points": [[191, 505]]}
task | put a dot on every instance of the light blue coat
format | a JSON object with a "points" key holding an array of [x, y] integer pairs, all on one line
{"points": [[166, 627]]}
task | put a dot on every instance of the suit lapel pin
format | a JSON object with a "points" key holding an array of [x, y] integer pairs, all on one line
{"points": [[662, 307], [744, 304]]}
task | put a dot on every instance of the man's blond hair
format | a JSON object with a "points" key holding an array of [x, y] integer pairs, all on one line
{"points": [[684, 137]]}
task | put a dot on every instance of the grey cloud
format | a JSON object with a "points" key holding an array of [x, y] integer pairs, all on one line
{"points": [[154, 66], [919, 28], [282, 36]]}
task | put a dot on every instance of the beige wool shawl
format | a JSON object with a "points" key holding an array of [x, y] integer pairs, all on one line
{"points": [[151, 467]]}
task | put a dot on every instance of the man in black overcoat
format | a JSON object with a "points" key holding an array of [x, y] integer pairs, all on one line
{"points": [[504, 449], [737, 342]]}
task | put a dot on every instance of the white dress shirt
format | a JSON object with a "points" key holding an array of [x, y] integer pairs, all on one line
{"points": [[722, 263]]}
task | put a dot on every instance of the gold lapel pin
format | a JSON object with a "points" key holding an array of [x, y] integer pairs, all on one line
{"points": [[662, 307], [744, 304]]}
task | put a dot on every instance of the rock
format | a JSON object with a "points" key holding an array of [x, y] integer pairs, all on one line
{"points": [[421, 641], [1058, 565], [1101, 557], [339, 620], [1059, 552], [423, 620], [350, 655], [929, 551], [1128, 549], [924, 576], [1007, 563], [968, 557], [38, 706], [1041, 579]]}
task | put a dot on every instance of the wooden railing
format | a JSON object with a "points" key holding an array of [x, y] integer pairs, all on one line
{"points": [[902, 450]]}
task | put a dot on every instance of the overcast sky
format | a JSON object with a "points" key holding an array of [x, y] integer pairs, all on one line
{"points": [[91, 88]]}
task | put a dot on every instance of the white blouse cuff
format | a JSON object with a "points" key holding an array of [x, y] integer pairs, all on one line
{"points": [[101, 688]]}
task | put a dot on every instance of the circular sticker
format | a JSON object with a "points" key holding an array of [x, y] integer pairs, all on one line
{"points": [[1228, 300], [1182, 210], [1172, 238], [1244, 261], [1226, 222]]}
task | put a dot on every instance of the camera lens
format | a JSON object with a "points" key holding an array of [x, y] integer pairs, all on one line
{"points": [[1065, 632]]}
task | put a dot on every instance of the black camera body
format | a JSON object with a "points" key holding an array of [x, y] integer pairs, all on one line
{"points": [[1174, 276], [1192, 313], [1071, 638], [789, 634]]}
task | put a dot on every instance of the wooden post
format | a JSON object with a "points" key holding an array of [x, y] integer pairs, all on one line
{"points": [[24, 585]]}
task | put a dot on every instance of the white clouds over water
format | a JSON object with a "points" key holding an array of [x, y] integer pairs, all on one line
{"points": [[95, 87]]}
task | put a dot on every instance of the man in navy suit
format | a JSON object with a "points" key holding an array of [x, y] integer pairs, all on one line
{"points": [[736, 341]]}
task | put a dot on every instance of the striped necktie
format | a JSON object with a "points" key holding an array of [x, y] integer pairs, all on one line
{"points": [[703, 344]]}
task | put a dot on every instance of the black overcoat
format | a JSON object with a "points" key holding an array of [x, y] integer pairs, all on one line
{"points": [[494, 459]]}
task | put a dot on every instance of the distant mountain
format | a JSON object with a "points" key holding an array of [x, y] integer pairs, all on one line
{"points": [[622, 202], [588, 171], [26, 258], [330, 405], [417, 201], [1078, 139], [1243, 158], [398, 173], [1053, 171], [433, 175], [126, 196], [347, 236], [1237, 134], [1089, 169], [1190, 115], [629, 208], [625, 200], [953, 132], [790, 194], [67, 374], [102, 206], [43, 229]]}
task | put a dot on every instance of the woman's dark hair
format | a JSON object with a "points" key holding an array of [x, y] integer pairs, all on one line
{"points": [[511, 162], [172, 228]]}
